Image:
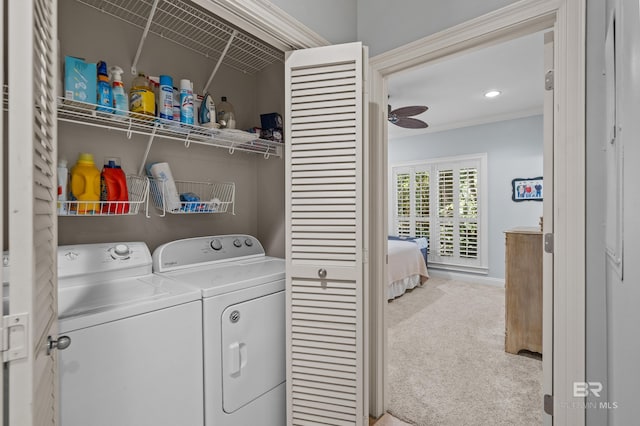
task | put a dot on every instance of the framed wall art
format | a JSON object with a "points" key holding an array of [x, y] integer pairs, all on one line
{"points": [[526, 189]]}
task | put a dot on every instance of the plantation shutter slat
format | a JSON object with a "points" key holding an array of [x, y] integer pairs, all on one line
{"points": [[324, 121], [33, 71]]}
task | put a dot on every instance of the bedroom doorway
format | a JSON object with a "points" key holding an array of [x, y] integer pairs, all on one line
{"points": [[522, 18], [448, 336]]}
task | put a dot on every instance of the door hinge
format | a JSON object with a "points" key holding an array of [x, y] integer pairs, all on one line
{"points": [[548, 404], [548, 80], [18, 350], [548, 242], [365, 256]]}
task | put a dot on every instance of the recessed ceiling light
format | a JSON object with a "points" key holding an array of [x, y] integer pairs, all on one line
{"points": [[492, 93]]}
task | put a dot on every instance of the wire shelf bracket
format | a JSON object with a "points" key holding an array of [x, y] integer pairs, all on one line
{"points": [[134, 65], [220, 59]]}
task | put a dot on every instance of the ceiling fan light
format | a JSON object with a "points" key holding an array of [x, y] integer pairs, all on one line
{"points": [[492, 93]]}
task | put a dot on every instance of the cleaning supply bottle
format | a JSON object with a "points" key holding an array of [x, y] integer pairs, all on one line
{"points": [[104, 89], [207, 113], [165, 102], [113, 188], [141, 98], [186, 101], [226, 114], [120, 100], [85, 185], [63, 188]]}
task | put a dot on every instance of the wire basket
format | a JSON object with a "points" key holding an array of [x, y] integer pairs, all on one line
{"points": [[137, 188], [192, 197]]}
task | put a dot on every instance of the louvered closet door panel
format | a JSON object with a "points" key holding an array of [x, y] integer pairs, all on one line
{"points": [[32, 44], [324, 125]]}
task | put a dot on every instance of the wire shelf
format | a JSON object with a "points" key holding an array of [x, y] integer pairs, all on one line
{"points": [[193, 28], [138, 189], [194, 197], [232, 139]]}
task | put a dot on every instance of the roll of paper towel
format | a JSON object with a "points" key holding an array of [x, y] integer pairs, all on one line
{"points": [[167, 186]]}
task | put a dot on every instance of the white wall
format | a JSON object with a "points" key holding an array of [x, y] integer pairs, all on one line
{"points": [[514, 150], [335, 20]]}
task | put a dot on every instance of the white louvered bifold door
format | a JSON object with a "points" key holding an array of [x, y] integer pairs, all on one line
{"points": [[324, 215], [33, 65]]}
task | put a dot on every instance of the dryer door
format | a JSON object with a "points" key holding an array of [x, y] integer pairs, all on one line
{"points": [[253, 349]]}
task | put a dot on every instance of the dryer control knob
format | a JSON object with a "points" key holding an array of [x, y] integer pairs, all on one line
{"points": [[248, 242], [216, 244], [121, 250], [237, 243]]}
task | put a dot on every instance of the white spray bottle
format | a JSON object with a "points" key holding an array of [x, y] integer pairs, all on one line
{"points": [[120, 98]]}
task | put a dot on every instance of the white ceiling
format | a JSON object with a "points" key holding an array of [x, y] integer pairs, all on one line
{"points": [[454, 88]]}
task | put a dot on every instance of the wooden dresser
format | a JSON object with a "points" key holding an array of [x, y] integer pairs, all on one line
{"points": [[523, 290]]}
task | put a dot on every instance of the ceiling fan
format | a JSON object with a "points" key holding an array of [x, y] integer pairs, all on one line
{"points": [[401, 116]]}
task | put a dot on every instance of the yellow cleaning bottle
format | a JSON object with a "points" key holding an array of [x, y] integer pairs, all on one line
{"points": [[85, 185]]}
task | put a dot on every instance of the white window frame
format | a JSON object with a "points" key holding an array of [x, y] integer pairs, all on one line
{"points": [[455, 263]]}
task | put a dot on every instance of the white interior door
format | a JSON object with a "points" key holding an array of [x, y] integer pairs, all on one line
{"points": [[2, 201], [325, 300], [32, 72], [547, 257]]}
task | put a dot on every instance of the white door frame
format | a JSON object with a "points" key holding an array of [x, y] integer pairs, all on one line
{"points": [[567, 18]]}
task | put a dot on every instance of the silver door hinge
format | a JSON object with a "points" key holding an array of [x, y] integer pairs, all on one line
{"points": [[19, 348], [365, 256], [548, 404], [548, 242], [548, 80]]}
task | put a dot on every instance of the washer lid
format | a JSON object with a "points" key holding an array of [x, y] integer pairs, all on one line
{"points": [[94, 303], [222, 278]]}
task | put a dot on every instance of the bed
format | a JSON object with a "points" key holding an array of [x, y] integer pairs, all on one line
{"points": [[407, 266]]}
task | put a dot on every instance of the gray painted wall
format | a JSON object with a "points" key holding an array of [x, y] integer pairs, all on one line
{"points": [[251, 96], [514, 149], [596, 335], [623, 295], [335, 20], [384, 25]]}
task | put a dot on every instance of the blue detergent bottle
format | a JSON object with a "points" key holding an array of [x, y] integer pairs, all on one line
{"points": [[104, 89]]}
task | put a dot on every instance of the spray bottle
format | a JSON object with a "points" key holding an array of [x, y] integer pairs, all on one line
{"points": [[120, 99], [104, 89]]}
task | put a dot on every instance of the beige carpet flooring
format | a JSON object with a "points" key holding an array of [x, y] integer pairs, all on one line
{"points": [[447, 364]]}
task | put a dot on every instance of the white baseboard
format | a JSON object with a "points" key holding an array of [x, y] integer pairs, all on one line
{"points": [[470, 278]]}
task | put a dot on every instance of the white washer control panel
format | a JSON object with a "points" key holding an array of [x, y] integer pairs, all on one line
{"points": [[204, 250], [102, 258]]}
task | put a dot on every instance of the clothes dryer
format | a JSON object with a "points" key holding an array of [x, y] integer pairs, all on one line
{"points": [[243, 310]]}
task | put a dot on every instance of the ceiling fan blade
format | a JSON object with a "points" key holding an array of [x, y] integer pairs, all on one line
{"points": [[410, 123], [409, 111]]}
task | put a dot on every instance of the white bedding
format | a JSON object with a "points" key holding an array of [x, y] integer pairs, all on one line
{"points": [[406, 268]]}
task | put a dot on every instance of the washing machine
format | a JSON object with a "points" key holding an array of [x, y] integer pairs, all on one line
{"points": [[243, 311], [135, 357]]}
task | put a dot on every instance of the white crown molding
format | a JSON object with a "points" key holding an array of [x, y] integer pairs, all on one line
{"points": [[266, 21]]}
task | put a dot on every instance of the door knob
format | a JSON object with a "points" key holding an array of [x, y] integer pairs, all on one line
{"points": [[322, 273], [62, 343]]}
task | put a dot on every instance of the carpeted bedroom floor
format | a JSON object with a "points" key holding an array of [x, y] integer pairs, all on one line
{"points": [[447, 364]]}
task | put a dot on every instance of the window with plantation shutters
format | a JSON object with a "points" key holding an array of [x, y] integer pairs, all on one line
{"points": [[441, 199]]}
